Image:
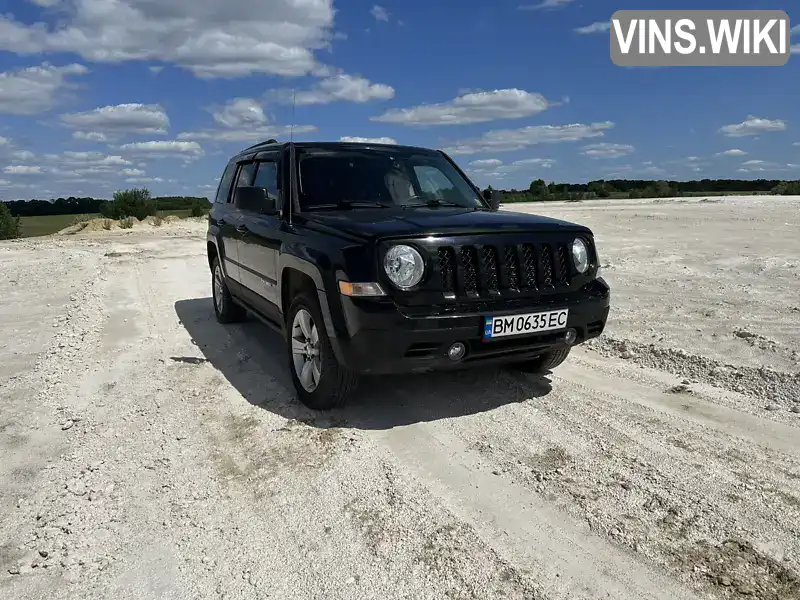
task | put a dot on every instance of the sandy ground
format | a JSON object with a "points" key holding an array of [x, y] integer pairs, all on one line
{"points": [[148, 452]]}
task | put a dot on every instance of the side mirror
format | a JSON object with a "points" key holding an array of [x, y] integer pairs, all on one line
{"points": [[493, 197], [255, 199]]}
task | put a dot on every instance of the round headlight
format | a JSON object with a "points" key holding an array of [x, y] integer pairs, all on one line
{"points": [[404, 266], [580, 255]]}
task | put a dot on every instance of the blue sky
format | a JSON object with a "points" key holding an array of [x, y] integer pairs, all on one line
{"points": [[99, 95]]}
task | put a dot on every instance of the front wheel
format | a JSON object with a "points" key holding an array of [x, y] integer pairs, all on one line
{"points": [[543, 364], [321, 382], [225, 309]]}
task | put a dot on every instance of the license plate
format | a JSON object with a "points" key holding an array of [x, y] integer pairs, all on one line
{"points": [[495, 327]]}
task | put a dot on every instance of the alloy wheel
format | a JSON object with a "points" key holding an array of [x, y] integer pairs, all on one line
{"points": [[306, 350], [218, 289]]}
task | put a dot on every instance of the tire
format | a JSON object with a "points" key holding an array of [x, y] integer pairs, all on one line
{"points": [[543, 364], [331, 385], [226, 310]]}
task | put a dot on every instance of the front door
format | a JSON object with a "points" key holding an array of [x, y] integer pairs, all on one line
{"points": [[260, 242]]}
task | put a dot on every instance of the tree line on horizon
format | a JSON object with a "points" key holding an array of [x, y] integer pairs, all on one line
{"points": [[88, 206], [539, 190], [134, 202]]}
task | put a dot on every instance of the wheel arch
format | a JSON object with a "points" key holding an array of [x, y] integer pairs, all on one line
{"points": [[298, 274]]}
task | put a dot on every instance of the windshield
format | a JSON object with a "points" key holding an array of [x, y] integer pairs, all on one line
{"points": [[371, 177]]}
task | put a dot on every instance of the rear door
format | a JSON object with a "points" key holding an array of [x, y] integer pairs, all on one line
{"points": [[260, 242], [222, 220]]}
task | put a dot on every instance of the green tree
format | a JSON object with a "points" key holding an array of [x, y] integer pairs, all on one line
{"points": [[599, 189], [787, 188], [538, 188], [130, 203], [9, 225]]}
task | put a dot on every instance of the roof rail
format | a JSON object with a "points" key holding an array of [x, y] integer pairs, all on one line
{"points": [[269, 141]]}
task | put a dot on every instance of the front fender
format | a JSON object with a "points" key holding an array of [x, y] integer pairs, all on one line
{"points": [[327, 293]]}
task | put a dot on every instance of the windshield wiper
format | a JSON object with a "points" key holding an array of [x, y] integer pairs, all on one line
{"points": [[351, 204], [434, 202]]}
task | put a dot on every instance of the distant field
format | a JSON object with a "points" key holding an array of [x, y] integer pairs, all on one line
{"points": [[47, 225]]}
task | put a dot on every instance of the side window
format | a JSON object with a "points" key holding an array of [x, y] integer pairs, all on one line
{"points": [[223, 191], [267, 178], [246, 175], [433, 182]]}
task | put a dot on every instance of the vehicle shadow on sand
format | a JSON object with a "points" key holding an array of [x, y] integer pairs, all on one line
{"points": [[252, 357]]}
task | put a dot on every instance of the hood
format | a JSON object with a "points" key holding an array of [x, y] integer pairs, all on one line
{"points": [[444, 220]]}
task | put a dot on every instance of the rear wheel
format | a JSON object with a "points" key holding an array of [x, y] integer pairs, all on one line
{"points": [[226, 310], [543, 364], [321, 382]]}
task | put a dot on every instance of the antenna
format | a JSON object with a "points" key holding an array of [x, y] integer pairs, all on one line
{"points": [[291, 127], [292, 175]]}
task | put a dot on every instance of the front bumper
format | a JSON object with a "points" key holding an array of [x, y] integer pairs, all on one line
{"points": [[382, 338]]}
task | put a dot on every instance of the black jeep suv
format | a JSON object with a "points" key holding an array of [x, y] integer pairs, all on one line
{"points": [[375, 259]]}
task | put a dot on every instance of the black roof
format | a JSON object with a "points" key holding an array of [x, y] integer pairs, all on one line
{"points": [[270, 144]]}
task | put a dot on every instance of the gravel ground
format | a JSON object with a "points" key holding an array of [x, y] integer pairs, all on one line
{"points": [[148, 452]]}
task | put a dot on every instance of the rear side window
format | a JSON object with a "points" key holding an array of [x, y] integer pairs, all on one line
{"points": [[223, 191], [246, 175], [267, 178]]}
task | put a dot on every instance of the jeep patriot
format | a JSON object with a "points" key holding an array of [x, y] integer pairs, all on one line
{"points": [[376, 259]]}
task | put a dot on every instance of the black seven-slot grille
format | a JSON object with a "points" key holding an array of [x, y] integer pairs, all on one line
{"points": [[480, 270], [492, 267]]}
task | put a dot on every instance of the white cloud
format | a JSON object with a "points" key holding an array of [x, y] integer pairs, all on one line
{"points": [[733, 152], [144, 180], [338, 87], [23, 155], [760, 166], [646, 169], [380, 13], [82, 165], [22, 170], [606, 150], [795, 49], [493, 167], [122, 118], [4, 141], [795, 29], [367, 140], [504, 140], [473, 107], [753, 126], [211, 38], [89, 136], [240, 112], [78, 159], [35, 89], [4, 182], [163, 149], [131, 172], [484, 164], [45, 3], [545, 4], [597, 27], [252, 135]]}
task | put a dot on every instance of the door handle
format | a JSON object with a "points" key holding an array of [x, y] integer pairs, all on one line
{"points": [[242, 229]]}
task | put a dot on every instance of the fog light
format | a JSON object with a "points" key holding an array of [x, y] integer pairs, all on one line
{"points": [[570, 336], [456, 351]]}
